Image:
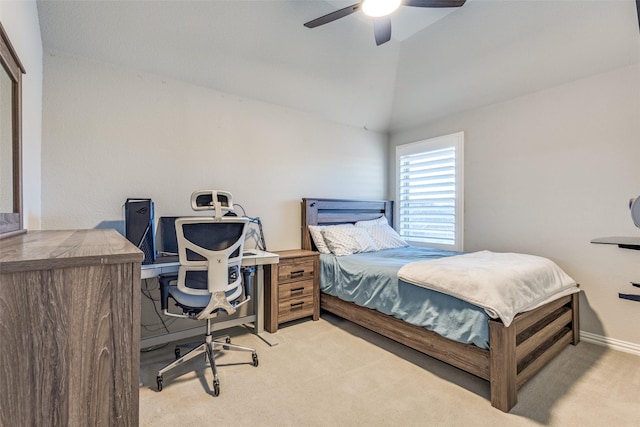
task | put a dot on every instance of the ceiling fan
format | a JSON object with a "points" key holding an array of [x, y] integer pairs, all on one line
{"points": [[380, 11]]}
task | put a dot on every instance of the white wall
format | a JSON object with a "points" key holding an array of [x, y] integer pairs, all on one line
{"points": [[110, 133], [20, 21], [548, 172]]}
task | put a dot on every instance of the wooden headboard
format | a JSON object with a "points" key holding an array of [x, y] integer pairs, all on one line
{"points": [[337, 211]]}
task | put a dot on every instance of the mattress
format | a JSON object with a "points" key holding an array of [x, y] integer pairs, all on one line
{"points": [[371, 280]]}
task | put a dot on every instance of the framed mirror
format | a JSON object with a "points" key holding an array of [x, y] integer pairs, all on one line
{"points": [[11, 222]]}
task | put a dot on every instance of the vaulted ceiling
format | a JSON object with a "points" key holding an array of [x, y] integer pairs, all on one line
{"points": [[438, 62]]}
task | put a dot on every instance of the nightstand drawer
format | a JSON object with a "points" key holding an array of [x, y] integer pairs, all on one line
{"points": [[295, 308], [295, 269], [297, 289]]}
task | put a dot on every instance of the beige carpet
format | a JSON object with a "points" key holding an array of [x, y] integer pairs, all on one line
{"points": [[334, 373]]}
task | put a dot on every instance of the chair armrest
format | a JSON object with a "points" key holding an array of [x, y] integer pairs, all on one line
{"points": [[165, 281]]}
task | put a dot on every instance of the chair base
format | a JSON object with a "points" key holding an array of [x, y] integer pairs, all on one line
{"points": [[208, 347]]}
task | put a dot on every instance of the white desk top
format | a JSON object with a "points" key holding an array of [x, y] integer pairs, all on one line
{"points": [[251, 257]]}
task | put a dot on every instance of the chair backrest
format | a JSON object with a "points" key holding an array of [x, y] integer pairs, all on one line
{"points": [[210, 253]]}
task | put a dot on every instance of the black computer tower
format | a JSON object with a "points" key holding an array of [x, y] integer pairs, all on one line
{"points": [[139, 227]]}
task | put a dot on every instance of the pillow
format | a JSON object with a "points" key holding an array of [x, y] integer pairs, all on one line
{"points": [[318, 239], [346, 240], [374, 222], [316, 235], [382, 234]]}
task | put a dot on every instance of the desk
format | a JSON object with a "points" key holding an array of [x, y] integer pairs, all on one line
{"points": [[624, 243], [254, 258]]}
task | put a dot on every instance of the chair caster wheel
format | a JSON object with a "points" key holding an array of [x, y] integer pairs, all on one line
{"points": [[228, 340], [254, 358], [159, 382], [216, 388]]}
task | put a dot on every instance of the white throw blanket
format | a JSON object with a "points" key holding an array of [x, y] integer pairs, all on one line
{"points": [[504, 284]]}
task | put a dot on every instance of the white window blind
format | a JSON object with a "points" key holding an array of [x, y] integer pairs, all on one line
{"points": [[429, 193]]}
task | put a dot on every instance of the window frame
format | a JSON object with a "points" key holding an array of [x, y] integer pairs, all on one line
{"points": [[456, 141]]}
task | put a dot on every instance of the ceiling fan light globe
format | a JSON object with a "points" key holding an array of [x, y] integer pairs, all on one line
{"points": [[378, 8]]}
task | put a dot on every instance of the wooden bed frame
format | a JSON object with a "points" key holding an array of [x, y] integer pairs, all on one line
{"points": [[516, 352]]}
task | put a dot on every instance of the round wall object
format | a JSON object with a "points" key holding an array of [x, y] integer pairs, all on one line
{"points": [[634, 205]]}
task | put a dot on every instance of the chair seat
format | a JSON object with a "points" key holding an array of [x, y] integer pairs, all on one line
{"points": [[193, 302], [189, 300]]}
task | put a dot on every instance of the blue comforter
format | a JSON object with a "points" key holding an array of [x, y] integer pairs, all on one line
{"points": [[370, 280]]}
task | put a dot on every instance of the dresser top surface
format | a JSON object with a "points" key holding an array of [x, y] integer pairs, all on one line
{"points": [[294, 253], [38, 250]]}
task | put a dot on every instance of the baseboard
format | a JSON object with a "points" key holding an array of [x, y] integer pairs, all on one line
{"points": [[627, 347]]}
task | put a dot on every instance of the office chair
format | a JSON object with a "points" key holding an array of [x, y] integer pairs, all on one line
{"points": [[209, 282]]}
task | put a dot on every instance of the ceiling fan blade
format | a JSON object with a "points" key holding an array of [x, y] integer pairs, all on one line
{"points": [[382, 29], [330, 17], [433, 3]]}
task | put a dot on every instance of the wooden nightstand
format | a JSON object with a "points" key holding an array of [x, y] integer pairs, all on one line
{"points": [[292, 288]]}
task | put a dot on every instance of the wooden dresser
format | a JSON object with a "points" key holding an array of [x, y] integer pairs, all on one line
{"points": [[69, 328], [292, 288]]}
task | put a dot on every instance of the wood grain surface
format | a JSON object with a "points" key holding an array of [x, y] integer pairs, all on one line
{"points": [[70, 329]]}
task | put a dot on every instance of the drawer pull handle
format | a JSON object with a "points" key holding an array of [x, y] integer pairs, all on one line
{"points": [[298, 273], [300, 289], [297, 304]]}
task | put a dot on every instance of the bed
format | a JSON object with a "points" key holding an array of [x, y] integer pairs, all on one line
{"points": [[514, 354]]}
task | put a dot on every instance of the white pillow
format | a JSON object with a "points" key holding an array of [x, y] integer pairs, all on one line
{"points": [[374, 222], [316, 235], [348, 240], [382, 234]]}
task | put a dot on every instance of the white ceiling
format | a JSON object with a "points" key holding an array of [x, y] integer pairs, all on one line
{"points": [[438, 61]]}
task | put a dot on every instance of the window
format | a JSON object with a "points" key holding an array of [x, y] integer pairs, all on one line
{"points": [[429, 191]]}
